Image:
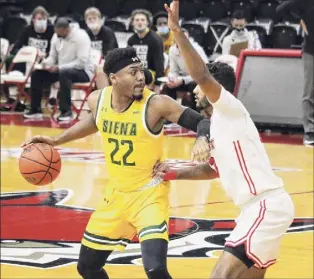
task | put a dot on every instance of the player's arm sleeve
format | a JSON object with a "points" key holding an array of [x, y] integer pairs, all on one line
{"points": [[170, 110], [229, 105]]}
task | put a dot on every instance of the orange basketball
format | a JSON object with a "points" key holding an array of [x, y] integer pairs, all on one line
{"points": [[40, 164]]}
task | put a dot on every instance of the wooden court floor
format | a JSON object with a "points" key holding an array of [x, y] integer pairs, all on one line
{"points": [[41, 227]]}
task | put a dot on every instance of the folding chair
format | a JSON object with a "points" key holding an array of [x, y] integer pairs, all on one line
{"points": [[213, 39], [86, 88], [28, 55]]}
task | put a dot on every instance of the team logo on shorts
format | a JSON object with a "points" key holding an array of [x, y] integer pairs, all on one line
{"points": [[38, 230]]}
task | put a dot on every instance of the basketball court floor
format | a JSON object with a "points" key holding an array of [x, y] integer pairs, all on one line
{"points": [[41, 227]]}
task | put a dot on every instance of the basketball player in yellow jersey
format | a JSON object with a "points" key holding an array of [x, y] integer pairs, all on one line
{"points": [[130, 121]]}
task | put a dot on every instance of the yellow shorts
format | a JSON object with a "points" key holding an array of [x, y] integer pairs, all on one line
{"points": [[121, 216]]}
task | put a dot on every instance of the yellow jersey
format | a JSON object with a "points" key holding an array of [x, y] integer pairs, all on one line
{"points": [[130, 148]]}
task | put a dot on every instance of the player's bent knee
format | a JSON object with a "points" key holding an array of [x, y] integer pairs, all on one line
{"points": [[159, 273], [89, 272], [82, 269]]}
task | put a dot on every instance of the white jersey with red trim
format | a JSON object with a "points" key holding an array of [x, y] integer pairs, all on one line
{"points": [[239, 155]]}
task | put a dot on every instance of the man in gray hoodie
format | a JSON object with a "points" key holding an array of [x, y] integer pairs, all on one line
{"points": [[68, 61]]}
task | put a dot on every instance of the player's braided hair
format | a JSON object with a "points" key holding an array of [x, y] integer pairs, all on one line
{"points": [[224, 74]]}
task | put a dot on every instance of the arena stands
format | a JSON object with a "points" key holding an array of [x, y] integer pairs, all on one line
{"points": [[208, 23], [260, 14]]}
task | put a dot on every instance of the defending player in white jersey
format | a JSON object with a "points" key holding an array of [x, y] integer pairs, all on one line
{"points": [[243, 166]]}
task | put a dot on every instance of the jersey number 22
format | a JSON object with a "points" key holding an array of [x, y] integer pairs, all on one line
{"points": [[117, 145]]}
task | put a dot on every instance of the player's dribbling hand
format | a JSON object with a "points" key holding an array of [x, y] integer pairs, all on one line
{"points": [[160, 169], [201, 150], [40, 139], [173, 15]]}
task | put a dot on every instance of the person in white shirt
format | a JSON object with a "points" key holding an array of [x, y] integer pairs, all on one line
{"points": [[69, 61], [240, 160], [179, 78], [240, 34]]}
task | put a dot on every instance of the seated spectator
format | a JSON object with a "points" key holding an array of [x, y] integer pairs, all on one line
{"points": [[161, 23], [179, 79], [102, 37], [38, 34], [69, 61], [148, 45], [240, 34]]}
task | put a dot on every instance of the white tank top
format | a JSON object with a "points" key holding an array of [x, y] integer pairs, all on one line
{"points": [[238, 153]]}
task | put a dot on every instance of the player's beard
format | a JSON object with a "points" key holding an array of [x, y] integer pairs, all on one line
{"points": [[203, 103], [137, 97]]}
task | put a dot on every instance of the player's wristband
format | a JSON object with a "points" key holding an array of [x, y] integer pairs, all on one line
{"points": [[170, 175]]}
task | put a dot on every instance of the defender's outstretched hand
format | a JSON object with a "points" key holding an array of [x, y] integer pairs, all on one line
{"points": [[173, 15]]}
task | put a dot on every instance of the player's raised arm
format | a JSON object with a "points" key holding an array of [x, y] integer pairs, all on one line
{"points": [[83, 128], [194, 63], [198, 172]]}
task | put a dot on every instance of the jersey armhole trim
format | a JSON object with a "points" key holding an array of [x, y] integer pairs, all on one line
{"points": [[148, 129], [100, 98]]}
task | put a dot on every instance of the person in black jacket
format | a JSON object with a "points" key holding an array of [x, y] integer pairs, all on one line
{"points": [[304, 10], [102, 37], [148, 45], [38, 34]]}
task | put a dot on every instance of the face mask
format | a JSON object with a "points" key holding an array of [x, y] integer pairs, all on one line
{"points": [[140, 30], [62, 37], [93, 26], [40, 25], [163, 30], [239, 29]]}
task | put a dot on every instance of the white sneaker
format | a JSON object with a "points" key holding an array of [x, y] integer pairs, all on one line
{"points": [[32, 114]]}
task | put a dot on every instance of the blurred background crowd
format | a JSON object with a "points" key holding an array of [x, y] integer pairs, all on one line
{"points": [[53, 51]]}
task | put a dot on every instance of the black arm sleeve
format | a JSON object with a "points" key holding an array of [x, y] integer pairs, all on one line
{"points": [[203, 129], [192, 120]]}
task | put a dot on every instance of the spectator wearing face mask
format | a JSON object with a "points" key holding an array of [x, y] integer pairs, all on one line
{"points": [[161, 23], [148, 45], [178, 76], [240, 34], [38, 34], [102, 37], [69, 61]]}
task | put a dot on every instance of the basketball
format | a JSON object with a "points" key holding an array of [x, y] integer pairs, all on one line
{"points": [[40, 164]]}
